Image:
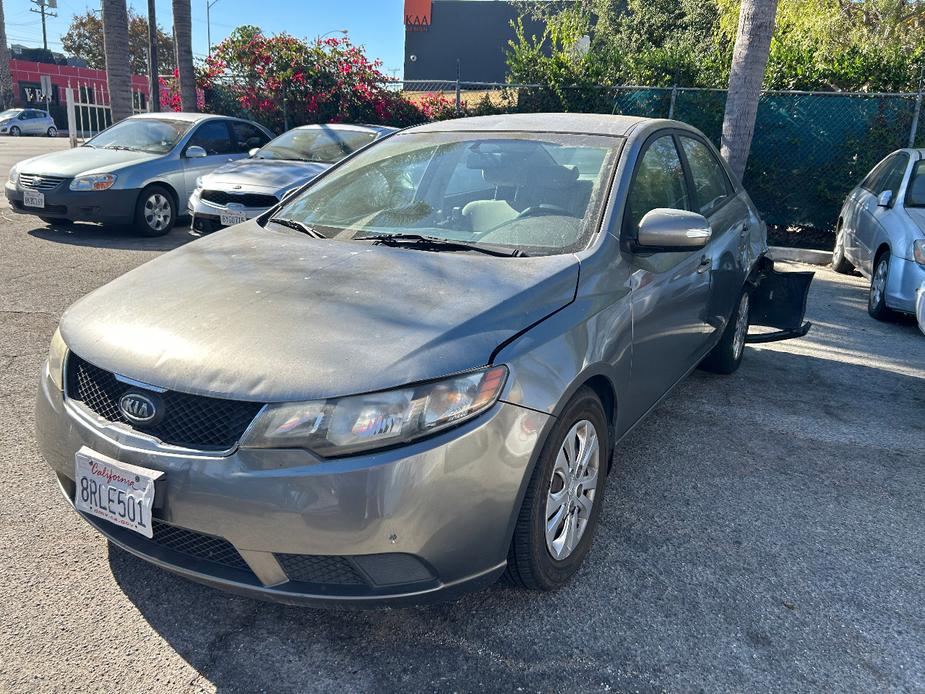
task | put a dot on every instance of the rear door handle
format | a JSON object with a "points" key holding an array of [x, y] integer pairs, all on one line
{"points": [[705, 264]]}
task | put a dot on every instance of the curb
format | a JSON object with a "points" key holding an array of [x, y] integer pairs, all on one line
{"points": [[800, 255]]}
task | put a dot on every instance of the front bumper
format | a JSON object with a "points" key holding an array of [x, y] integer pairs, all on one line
{"points": [[205, 216], [903, 279], [111, 206], [417, 524]]}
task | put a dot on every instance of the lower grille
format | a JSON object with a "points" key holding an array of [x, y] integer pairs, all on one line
{"points": [[197, 545], [220, 197], [37, 182], [331, 570], [191, 421]]}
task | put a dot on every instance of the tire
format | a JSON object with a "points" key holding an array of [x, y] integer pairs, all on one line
{"points": [[155, 211], [840, 263], [876, 300], [15, 131], [52, 132], [726, 356], [532, 561]]}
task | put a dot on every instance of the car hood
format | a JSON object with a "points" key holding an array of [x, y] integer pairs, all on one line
{"points": [[265, 174], [917, 215], [82, 160], [274, 315]]}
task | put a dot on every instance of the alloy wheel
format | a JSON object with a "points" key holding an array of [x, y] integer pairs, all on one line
{"points": [[741, 329], [15, 131], [157, 212], [878, 283], [572, 489]]}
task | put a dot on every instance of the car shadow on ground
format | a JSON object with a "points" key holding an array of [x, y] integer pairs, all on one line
{"points": [[762, 553], [124, 238]]}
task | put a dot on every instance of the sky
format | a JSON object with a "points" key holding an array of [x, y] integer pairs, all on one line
{"points": [[377, 24]]}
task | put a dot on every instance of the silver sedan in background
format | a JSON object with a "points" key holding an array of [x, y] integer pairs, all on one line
{"points": [[245, 189], [881, 233]]}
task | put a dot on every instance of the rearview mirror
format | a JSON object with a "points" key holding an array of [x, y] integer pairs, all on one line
{"points": [[885, 199], [253, 152], [663, 229], [195, 152]]}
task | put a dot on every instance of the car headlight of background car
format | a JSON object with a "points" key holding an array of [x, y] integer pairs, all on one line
{"points": [[362, 422], [56, 354], [93, 182], [918, 251], [14, 175]]}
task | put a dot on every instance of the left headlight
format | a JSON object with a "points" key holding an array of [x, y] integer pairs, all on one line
{"points": [[56, 355], [362, 422], [918, 251], [93, 182]]}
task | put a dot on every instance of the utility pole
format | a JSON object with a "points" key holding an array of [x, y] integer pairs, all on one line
{"points": [[209, 24], [42, 7], [154, 82]]}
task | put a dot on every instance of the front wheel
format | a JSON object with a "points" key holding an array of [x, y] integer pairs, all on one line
{"points": [[155, 212], [563, 501], [876, 300], [52, 132], [839, 262], [726, 356], [15, 131]]}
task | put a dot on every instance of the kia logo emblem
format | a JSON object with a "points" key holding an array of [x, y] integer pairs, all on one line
{"points": [[138, 408]]}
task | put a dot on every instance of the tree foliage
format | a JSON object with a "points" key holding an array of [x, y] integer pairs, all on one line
{"points": [[84, 39], [837, 45]]}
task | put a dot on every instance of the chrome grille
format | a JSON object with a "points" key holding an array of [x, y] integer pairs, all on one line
{"points": [[39, 182], [221, 197]]}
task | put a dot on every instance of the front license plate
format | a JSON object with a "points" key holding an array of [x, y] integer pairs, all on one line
{"points": [[117, 492], [33, 198], [231, 218]]}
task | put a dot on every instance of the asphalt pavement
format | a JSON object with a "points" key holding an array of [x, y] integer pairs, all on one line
{"points": [[763, 531]]}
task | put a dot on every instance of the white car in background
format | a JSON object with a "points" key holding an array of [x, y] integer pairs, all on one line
{"points": [[27, 121], [881, 233]]}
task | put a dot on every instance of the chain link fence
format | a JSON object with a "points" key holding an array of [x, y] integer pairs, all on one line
{"points": [[809, 148]]}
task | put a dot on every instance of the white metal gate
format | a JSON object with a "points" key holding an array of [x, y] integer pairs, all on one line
{"points": [[89, 112]]}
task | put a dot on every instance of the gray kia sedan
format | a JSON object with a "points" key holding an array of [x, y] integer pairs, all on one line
{"points": [[410, 377], [245, 189], [881, 233], [140, 171]]}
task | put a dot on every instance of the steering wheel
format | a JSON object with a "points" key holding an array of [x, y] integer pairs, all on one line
{"points": [[544, 210]]}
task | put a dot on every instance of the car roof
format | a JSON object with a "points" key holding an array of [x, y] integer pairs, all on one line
{"points": [[181, 115], [354, 127], [588, 123]]}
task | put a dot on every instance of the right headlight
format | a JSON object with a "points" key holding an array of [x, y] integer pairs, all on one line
{"points": [[918, 251], [14, 175], [93, 182], [342, 426]]}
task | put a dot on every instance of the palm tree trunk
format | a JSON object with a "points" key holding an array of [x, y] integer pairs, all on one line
{"points": [[183, 41], [118, 66], [749, 62], [6, 77]]}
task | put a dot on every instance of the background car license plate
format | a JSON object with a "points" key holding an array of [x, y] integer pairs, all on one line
{"points": [[231, 218], [33, 198], [120, 493]]}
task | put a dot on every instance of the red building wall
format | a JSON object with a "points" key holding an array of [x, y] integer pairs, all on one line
{"points": [[27, 75]]}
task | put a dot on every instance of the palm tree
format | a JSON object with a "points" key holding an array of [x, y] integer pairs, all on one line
{"points": [[183, 41], [749, 62], [6, 77], [118, 65]]}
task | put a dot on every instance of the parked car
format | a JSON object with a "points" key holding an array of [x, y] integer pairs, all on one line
{"points": [[244, 189], [411, 377], [27, 121], [881, 233], [140, 171]]}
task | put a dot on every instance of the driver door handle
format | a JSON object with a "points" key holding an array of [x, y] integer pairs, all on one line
{"points": [[705, 264]]}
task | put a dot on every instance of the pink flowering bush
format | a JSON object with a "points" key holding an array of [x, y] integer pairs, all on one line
{"points": [[170, 94], [281, 79]]}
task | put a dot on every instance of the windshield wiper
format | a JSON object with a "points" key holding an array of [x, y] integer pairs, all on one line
{"points": [[298, 226], [436, 243]]}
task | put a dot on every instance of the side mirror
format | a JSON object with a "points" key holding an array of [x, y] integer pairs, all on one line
{"points": [[663, 229], [885, 199], [253, 152], [195, 152]]}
